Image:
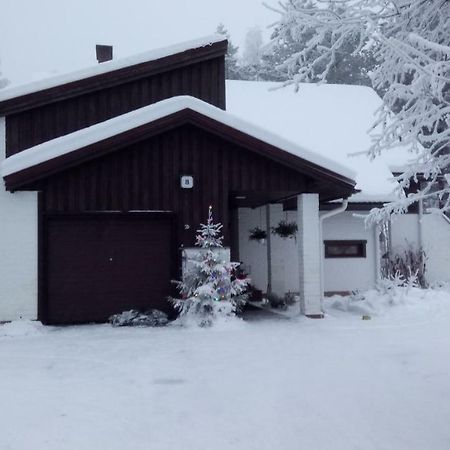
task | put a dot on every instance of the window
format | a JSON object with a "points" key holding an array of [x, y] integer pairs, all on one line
{"points": [[345, 249]]}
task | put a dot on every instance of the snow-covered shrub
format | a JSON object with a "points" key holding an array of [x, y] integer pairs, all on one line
{"points": [[407, 268], [211, 288], [290, 298], [275, 301], [133, 318], [281, 302]]}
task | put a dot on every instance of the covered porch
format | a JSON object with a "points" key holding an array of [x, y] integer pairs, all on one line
{"points": [[277, 265]]}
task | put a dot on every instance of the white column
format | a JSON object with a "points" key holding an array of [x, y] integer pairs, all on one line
{"points": [[309, 254]]}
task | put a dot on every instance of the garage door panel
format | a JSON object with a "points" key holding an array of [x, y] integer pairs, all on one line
{"points": [[99, 266]]}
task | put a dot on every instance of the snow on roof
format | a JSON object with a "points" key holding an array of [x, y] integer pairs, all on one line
{"points": [[117, 125], [332, 120], [109, 66]]}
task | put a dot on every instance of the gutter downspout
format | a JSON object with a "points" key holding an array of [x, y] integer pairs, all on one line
{"points": [[327, 215]]}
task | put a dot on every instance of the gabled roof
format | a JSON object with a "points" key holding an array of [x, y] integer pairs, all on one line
{"points": [[111, 73], [72, 149]]}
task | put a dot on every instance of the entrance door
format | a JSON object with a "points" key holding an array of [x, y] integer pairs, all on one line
{"points": [[102, 264]]}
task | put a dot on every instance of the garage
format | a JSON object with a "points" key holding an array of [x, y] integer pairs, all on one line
{"points": [[101, 264]]}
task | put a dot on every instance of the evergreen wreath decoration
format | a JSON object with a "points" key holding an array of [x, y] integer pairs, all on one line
{"points": [[257, 234], [285, 229]]}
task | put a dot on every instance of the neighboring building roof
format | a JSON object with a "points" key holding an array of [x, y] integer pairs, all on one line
{"points": [[17, 98], [304, 160], [332, 120]]}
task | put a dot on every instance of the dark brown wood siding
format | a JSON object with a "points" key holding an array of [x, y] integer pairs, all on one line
{"points": [[204, 80], [146, 176]]}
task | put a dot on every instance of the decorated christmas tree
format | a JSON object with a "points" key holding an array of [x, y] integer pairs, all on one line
{"points": [[211, 288]]}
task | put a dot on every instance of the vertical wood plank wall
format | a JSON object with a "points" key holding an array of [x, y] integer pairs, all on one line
{"points": [[204, 80], [146, 176]]}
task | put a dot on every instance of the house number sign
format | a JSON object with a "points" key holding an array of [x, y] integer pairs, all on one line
{"points": [[187, 182]]}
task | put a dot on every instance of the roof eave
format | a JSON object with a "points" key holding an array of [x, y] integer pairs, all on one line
{"points": [[27, 176], [112, 78]]}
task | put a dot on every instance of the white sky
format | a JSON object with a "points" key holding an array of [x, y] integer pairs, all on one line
{"points": [[42, 36]]}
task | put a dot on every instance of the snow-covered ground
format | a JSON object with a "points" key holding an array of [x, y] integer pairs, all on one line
{"points": [[338, 383]]}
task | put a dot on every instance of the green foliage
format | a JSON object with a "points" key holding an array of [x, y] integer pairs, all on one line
{"points": [[257, 234], [285, 229]]}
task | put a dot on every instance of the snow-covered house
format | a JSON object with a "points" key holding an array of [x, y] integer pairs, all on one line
{"points": [[334, 121], [108, 172]]}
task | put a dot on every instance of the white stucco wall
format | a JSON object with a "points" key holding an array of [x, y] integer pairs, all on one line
{"points": [[436, 243], [404, 232], [349, 274], [18, 250], [254, 254], [435, 231], [340, 274]]}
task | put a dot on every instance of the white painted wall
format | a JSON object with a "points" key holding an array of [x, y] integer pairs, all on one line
{"points": [[404, 232], [435, 231], [254, 254], [18, 250], [343, 274], [349, 274], [436, 243]]}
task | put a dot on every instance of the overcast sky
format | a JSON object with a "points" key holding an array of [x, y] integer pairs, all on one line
{"points": [[41, 36]]}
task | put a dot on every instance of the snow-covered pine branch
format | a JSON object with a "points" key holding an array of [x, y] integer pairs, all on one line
{"points": [[211, 288], [411, 40]]}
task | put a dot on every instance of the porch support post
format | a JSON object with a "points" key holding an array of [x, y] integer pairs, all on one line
{"points": [[309, 255]]}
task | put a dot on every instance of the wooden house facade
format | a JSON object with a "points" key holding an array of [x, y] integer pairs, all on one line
{"points": [[113, 213]]}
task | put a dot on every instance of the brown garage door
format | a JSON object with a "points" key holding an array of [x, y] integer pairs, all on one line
{"points": [[99, 265]]}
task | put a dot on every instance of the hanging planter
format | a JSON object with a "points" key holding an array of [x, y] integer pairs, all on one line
{"points": [[257, 234], [285, 229]]}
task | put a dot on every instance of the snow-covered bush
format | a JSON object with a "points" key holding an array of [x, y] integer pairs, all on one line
{"points": [[211, 288], [406, 268], [133, 318]]}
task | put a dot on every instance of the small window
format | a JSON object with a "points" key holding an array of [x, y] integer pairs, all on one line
{"points": [[345, 249]]}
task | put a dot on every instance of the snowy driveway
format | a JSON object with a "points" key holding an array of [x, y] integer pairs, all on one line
{"points": [[338, 383]]}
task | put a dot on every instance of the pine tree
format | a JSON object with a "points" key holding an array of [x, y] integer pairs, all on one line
{"points": [[210, 289], [231, 66], [410, 41], [3, 81], [351, 66]]}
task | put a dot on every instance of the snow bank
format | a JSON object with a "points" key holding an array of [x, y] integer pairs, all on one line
{"points": [[19, 328], [392, 302]]}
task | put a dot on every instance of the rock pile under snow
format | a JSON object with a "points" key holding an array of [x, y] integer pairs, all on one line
{"points": [[133, 318]]}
